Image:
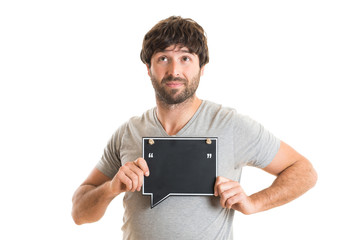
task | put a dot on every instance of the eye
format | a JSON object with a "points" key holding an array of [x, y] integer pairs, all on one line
{"points": [[163, 59], [186, 59]]}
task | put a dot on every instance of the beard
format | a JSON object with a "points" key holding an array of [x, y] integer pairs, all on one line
{"points": [[175, 96]]}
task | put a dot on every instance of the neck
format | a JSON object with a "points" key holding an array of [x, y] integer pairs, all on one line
{"points": [[175, 116]]}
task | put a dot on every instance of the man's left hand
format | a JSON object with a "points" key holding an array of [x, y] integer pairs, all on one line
{"points": [[233, 196]]}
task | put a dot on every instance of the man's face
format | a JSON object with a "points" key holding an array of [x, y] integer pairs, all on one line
{"points": [[175, 74]]}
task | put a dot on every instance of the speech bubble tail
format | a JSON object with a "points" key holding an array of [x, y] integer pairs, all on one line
{"points": [[157, 198]]}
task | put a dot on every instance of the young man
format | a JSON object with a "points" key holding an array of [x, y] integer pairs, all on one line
{"points": [[175, 53]]}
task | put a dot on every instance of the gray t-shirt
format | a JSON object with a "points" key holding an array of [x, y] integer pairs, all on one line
{"points": [[241, 142]]}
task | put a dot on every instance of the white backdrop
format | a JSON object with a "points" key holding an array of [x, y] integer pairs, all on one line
{"points": [[71, 74]]}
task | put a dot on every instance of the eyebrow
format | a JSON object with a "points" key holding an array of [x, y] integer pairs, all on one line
{"points": [[181, 50]]}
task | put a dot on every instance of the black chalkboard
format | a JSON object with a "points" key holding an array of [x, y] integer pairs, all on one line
{"points": [[179, 166]]}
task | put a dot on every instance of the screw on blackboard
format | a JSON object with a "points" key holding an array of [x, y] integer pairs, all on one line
{"points": [[151, 141], [208, 141]]}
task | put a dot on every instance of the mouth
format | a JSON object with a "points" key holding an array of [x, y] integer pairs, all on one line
{"points": [[174, 84]]}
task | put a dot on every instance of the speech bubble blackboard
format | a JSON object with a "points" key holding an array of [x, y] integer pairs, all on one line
{"points": [[179, 166]]}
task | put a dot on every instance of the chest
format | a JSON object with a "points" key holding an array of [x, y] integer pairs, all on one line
{"points": [[227, 163]]}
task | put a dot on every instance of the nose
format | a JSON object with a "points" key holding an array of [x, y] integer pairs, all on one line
{"points": [[174, 69]]}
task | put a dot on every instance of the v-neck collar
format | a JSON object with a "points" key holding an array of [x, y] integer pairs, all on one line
{"points": [[187, 125]]}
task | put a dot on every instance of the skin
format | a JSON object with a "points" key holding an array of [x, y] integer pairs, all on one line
{"points": [[175, 73], [295, 176]]}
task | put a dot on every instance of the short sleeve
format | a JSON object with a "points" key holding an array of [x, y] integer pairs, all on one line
{"points": [[110, 161], [254, 145]]}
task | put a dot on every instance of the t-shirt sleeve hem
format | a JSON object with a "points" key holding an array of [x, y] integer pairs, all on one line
{"points": [[272, 155], [106, 171]]}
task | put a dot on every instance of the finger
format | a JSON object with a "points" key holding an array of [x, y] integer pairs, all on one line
{"points": [[225, 186], [233, 200], [232, 196], [142, 164], [219, 180], [133, 173], [226, 195], [140, 176], [125, 180], [227, 191], [134, 177]]}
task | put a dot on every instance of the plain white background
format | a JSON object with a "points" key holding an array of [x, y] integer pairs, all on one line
{"points": [[71, 74]]}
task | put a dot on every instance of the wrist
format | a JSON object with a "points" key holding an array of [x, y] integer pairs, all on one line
{"points": [[110, 192], [256, 203], [248, 204]]}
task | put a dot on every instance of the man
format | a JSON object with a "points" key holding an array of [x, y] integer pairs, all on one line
{"points": [[175, 53]]}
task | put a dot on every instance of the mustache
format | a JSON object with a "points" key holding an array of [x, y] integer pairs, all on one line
{"points": [[173, 79]]}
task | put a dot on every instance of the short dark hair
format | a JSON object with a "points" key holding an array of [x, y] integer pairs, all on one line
{"points": [[174, 30]]}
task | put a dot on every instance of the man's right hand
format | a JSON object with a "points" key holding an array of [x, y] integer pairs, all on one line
{"points": [[130, 177], [91, 199]]}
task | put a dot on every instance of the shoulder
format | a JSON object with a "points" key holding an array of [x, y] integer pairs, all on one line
{"points": [[221, 112], [227, 114], [138, 126], [217, 109], [145, 118]]}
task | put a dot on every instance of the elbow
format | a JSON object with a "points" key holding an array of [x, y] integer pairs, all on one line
{"points": [[77, 220], [75, 212], [77, 215], [80, 218], [309, 175], [313, 177]]}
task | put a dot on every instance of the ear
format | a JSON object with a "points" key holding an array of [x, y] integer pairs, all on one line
{"points": [[148, 69], [202, 70]]}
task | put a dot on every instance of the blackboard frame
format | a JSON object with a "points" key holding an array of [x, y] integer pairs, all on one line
{"points": [[209, 142]]}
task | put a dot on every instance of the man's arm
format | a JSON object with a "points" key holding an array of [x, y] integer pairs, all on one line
{"points": [[295, 176], [92, 198]]}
